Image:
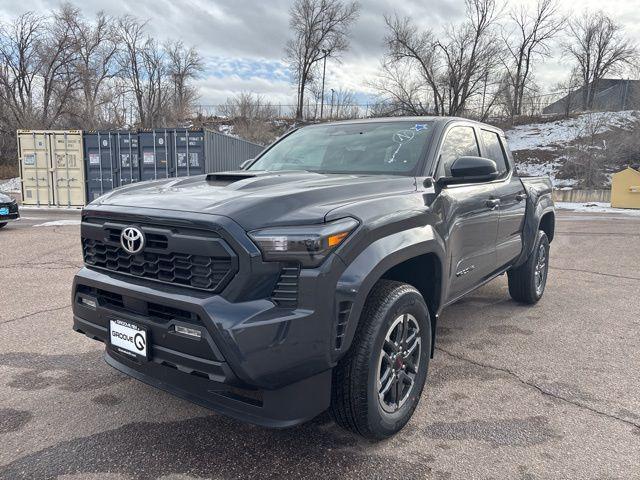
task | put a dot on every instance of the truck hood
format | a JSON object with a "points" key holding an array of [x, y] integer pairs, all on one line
{"points": [[259, 199]]}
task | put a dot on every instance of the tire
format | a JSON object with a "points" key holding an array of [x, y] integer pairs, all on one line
{"points": [[528, 281], [355, 395], [3, 224]]}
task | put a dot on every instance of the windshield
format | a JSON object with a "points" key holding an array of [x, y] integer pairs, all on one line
{"points": [[385, 148]]}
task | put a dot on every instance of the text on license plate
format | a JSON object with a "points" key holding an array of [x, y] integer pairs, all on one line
{"points": [[128, 338], [4, 211]]}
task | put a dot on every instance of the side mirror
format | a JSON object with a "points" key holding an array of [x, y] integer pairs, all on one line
{"points": [[246, 163], [471, 170]]}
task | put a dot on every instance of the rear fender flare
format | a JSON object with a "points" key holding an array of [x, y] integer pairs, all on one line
{"points": [[533, 216]]}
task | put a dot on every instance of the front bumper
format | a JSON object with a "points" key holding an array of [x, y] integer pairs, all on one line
{"points": [[281, 408], [256, 362]]}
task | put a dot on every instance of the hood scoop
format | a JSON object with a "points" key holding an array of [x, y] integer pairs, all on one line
{"points": [[224, 179]]}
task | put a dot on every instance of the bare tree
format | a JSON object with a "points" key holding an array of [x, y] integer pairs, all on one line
{"points": [[96, 47], [131, 58], [407, 45], [184, 64], [400, 92], [470, 54], [252, 117], [38, 78], [317, 25], [20, 58], [568, 89], [456, 65], [586, 159], [156, 85], [529, 38], [344, 105], [57, 68], [248, 106], [599, 47]]}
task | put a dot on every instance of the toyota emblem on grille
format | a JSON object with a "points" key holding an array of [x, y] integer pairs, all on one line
{"points": [[132, 240]]}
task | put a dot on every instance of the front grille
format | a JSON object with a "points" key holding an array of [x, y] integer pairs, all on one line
{"points": [[285, 293], [165, 313], [197, 271], [152, 240]]}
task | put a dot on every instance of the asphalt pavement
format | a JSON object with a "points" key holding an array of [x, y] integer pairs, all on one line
{"points": [[549, 391]]}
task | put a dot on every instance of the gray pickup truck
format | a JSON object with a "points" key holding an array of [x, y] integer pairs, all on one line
{"points": [[313, 278]]}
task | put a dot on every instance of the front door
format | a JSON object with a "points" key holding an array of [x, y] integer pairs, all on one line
{"points": [[470, 214]]}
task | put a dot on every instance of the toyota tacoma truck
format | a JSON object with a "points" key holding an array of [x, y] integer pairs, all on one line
{"points": [[313, 278]]}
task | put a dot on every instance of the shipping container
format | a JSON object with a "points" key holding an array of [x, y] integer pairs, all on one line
{"points": [[100, 160], [128, 154], [72, 168], [111, 160], [188, 152], [51, 167], [177, 152], [223, 152], [156, 154]]}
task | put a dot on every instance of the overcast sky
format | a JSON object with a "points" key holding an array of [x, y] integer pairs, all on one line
{"points": [[242, 41]]}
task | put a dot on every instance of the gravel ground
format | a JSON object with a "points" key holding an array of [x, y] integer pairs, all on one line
{"points": [[550, 391]]}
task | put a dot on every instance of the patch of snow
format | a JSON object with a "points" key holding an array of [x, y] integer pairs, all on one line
{"points": [[595, 207], [10, 186], [59, 223], [46, 207], [550, 169], [227, 130], [552, 135]]}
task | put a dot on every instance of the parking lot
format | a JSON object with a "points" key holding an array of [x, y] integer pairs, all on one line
{"points": [[550, 391]]}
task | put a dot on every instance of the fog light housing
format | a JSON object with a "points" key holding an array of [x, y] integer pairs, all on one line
{"points": [[88, 302], [189, 332]]}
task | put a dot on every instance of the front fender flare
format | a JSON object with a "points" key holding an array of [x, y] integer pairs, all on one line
{"points": [[368, 267]]}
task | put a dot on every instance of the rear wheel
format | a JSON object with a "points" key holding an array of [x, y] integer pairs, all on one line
{"points": [[377, 386], [528, 281]]}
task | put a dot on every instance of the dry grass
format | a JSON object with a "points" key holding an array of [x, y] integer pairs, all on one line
{"points": [[9, 171]]}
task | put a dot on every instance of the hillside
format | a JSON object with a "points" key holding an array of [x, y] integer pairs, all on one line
{"points": [[596, 144]]}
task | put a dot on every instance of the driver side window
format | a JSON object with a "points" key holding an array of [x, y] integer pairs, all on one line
{"points": [[460, 142]]}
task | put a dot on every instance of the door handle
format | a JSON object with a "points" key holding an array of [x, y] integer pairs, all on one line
{"points": [[492, 203], [521, 196]]}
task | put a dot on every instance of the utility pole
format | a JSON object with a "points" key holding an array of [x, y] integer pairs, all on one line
{"points": [[331, 111], [326, 53]]}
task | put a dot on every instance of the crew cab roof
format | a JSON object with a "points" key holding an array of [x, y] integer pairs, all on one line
{"points": [[441, 121]]}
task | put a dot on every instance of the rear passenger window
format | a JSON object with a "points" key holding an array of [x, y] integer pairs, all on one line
{"points": [[494, 150], [459, 142]]}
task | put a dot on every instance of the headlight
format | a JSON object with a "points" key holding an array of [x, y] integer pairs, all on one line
{"points": [[307, 244]]}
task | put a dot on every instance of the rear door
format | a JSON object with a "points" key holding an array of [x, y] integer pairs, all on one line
{"points": [[470, 220], [512, 197]]}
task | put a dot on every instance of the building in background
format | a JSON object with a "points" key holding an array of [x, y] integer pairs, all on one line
{"points": [[612, 95]]}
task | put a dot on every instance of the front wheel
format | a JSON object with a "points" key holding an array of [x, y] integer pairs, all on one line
{"points": [[3, 224], [377, 385], [528, 281]]}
